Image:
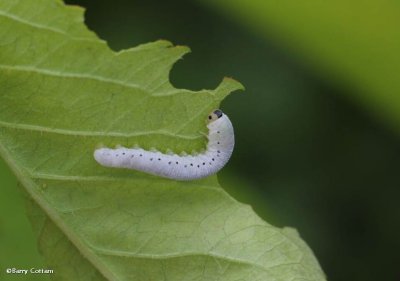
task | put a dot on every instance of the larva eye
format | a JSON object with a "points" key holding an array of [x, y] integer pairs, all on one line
{"points": [[214, 115]]}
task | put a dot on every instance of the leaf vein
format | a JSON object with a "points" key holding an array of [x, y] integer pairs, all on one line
{"points": [[41, 26], [60, 131], [71, 75]]}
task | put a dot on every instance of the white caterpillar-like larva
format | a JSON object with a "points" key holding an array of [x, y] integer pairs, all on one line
{"points": [[219, 149]]}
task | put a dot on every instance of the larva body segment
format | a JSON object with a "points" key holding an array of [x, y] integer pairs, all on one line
{"points": [[219, 149]]}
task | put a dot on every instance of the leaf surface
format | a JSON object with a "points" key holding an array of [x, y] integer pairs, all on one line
{"points": [[64, 92]]}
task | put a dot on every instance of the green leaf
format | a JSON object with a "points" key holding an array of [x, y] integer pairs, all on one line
{"points": [[17, 241], [354, 43], [63, 92]]}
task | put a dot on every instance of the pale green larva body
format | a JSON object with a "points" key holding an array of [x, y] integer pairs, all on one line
{"points": [[219, 149]]}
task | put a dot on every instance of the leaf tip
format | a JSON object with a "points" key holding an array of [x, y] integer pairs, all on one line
{"points": [[236, 85], [229, 85], [168, 44], [163, 43], [183, 48]]}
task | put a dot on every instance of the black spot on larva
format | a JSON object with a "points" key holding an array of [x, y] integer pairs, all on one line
{"points": [[191, 164], [159, 159], [140, 155], [209, 117], [176, 162], [169, 162], [218, 132], [151, 159], [185, 166], [217, 142], [218, 151], [123, 153], [210, 163], [204, 163], [198, 166], [213, 159]]}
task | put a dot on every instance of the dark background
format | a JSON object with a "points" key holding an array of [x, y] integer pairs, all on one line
{"points": [[306, 156]]}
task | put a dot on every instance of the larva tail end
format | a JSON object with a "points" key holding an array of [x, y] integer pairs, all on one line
{"points": [[100, 154]]}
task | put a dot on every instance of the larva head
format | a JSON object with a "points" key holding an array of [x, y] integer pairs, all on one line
{"points": [[215, 115]]}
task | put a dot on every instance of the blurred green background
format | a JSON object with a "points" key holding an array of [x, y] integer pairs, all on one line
{"points": [[317, 128]]}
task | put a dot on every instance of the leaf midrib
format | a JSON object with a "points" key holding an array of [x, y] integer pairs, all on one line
{"points": [[43, 176], [125, 254], [29, 186]]}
